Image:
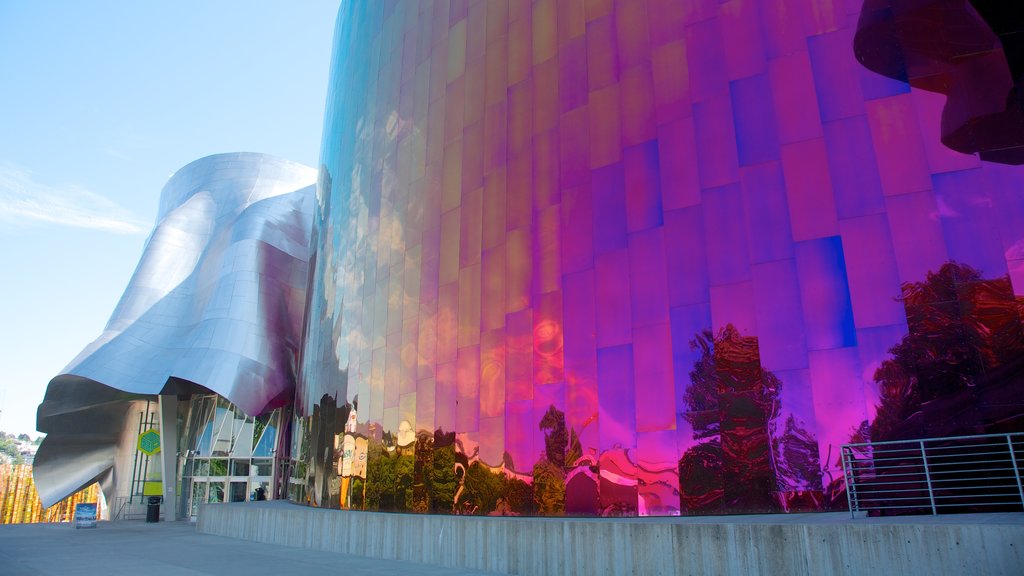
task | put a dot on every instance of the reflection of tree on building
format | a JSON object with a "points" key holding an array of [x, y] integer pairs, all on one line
{"points": [[960, 368], [549, 488], [423, 462], [739, 463], [484, 487], [562, 451], [389, 478], [442, 481], [700, 478], [446, 480], [517, 498]]}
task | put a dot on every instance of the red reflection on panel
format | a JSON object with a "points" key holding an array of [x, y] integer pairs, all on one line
{"points": [[547, 339]]}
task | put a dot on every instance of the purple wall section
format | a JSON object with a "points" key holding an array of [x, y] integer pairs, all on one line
{"points": [[654, 257]]}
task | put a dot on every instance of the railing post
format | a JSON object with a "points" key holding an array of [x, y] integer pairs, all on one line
{"points": [[848, 476], [1016, 470], [928, 478]]}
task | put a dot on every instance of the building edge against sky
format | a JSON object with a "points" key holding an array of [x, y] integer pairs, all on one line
{"points": [[609, 258]]}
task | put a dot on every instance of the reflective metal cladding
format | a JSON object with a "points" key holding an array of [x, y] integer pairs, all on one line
{"points": [[216, 300], [654, 258]]}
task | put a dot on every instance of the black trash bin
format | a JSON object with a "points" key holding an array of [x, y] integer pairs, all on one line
{"points": [[153, 509]]}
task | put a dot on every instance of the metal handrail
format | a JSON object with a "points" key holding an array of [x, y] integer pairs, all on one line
{"points": [[1018, 435], [864, 488], [125, 509], [964, 472]]}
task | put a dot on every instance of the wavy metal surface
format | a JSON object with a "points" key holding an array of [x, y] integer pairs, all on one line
{"points": [[216, 300], [645, 258]]}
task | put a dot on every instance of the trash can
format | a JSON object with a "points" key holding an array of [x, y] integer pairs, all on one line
{"points": [[153, 509]]}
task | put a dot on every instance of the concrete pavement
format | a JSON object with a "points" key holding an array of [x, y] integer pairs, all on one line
{"points": [[175, 549]]}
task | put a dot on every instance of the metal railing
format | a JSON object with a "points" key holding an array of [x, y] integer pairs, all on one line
{"points": [[935, 475], [125, 508]]}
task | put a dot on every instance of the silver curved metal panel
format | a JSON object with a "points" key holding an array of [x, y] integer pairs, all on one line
{"points": [[217, 300]]}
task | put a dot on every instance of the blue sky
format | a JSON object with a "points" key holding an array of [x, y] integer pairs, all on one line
{"points": [[100, 102]]}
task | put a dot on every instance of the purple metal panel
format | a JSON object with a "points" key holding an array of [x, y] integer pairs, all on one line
{"points": [[871, 270], [965, 211], [615, 319], [765, 208], [828, 312], [781, 323], [615, 397], [609, 192], [917, 240], [653, 378], [725, 235], [856, 186], [757, 138], [643, 186], [648, 281]]}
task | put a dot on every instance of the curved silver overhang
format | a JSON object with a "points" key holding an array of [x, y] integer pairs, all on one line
{"points": [[217, 300]]}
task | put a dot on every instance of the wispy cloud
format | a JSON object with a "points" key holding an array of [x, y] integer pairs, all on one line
{"points": [[23, 200]]}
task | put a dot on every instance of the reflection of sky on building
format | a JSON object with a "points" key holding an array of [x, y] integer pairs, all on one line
{"points": [[547, 205]]}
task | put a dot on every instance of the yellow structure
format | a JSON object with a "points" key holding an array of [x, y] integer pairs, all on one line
{"points": [[19, 502]]}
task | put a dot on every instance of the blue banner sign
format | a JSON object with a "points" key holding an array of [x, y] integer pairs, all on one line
{"points": [[85, 515]]}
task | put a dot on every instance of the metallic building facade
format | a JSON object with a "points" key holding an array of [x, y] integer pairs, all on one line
{"points": [[655, 257], [217, 301]]}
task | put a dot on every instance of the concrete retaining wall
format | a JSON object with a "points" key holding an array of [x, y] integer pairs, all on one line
{"points": [[818, 544]]}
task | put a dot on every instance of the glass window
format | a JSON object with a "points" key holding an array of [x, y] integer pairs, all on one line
{"points": [[206, 425], [238, 490], [198, 496], [241, 431], [216, 493], [264, 467], [239, 467], [222, 423], [202, 467], [265, 434], [259, 491], [218, 467], [198, 425], [203, 446]]}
